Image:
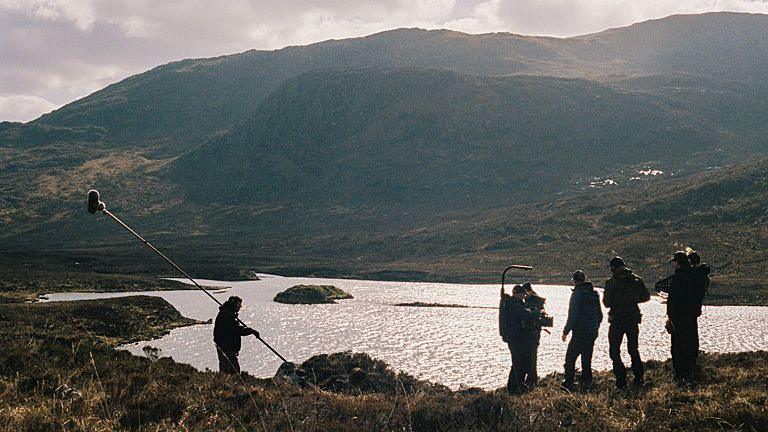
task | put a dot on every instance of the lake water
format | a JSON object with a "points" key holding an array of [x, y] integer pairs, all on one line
{"points": [[451, 346]]}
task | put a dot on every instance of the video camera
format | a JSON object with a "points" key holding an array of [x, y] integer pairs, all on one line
{"points": [[546, 320]]}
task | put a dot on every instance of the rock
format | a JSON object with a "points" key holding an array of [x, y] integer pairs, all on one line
{"points": [[311, 294]]}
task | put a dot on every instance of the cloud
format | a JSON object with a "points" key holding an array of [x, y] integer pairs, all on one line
{"points": [[60, 50], [78, 12], [23, 107], [574, 17]]}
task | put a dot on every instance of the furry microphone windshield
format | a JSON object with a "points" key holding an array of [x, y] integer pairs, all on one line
{"points": [[94, 203]]}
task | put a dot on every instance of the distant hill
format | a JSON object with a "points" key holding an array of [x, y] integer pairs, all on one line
{"points": [[723, 45], [435, 140], [416, 151]]}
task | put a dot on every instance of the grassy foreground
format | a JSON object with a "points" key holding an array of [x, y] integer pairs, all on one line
{"points": [[59, 371]]}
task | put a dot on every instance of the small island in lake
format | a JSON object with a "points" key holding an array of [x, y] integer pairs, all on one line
{"points": [[311, 294]]}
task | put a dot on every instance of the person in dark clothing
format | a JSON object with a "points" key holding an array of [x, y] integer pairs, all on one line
{"points": [[624, 291], [584, 318], [700, 274], [701, 279], [534, 303], [516, 326], [227, 331], [683, 308]]}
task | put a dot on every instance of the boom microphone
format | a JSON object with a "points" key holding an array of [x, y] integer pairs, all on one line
{"points": [[94, 203]]}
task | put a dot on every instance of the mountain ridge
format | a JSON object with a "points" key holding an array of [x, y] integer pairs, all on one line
{"points": [[336, 49], [341, 151]]}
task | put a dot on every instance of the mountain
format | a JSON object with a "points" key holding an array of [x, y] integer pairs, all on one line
{"points": [[169, 108], [727, 46], [434, 140], [430, 151]]}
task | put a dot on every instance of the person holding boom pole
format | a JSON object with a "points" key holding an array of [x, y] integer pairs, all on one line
{"points": [[228, 328], [227, 331]]}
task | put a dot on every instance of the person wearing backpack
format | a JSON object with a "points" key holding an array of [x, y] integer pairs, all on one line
{"points": [[624, 291], [535, 303], [685, 293], [700, 275], [701, 279], [584, 318]]}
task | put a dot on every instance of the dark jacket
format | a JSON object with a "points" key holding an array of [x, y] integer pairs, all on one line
{"points": [[685, 295], [701, 280], [623, 292], [584, 312], [227, 330], [516, 323], [535, 303]]}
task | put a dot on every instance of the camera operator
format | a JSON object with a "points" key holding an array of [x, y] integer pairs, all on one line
{"points": [[535, 303], [686, 292], [624, 291]]}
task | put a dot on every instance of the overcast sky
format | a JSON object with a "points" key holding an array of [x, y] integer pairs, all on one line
{"points": [[55, 51]]}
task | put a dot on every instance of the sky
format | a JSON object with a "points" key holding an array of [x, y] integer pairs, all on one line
{"points": [[53, 52]]}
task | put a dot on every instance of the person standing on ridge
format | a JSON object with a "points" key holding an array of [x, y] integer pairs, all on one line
{"points": [[584, 318], [683, 309], [227, 331], [624, 291]]}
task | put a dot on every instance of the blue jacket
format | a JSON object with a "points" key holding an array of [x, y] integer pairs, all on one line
{"points": [[584, 312]]}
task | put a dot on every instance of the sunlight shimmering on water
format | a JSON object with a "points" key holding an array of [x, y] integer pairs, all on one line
{"points": [[452, 346]]}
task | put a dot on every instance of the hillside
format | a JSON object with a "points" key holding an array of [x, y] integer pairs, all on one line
{"points": [[436, 140], [413, 153]]}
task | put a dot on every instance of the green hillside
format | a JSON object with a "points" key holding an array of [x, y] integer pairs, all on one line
{"points": [[437, 140]]}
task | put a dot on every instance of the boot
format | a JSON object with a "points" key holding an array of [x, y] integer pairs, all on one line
{"points": [[567, 385], [621, 383]]}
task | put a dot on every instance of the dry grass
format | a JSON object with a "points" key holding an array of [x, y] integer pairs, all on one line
{"points": [[61, 378]]}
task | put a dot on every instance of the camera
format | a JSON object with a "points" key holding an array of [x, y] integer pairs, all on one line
{"points": [[546, 320], [535, 303]]}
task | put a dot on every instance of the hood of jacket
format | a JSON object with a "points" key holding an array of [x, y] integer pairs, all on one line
{"points": [[586, 289], [584, 286], [226, 311], [624, 273]]}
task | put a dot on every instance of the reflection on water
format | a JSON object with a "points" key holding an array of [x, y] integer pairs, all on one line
{"points": [[452, 346]]}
